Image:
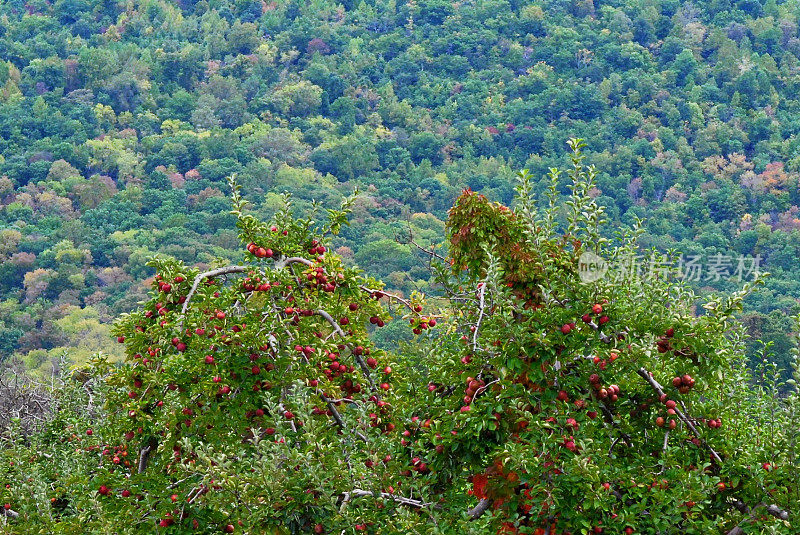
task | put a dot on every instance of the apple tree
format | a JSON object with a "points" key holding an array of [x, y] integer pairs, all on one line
{"points": [[578, 400], [554, 388]]}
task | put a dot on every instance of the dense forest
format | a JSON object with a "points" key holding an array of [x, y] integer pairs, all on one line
{"points": [[120, 123]]}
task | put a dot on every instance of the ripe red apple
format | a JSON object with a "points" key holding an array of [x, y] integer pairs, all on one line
{"points": [[566, 328], [597, 308]]}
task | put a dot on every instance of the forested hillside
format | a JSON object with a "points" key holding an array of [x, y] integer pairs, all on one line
{"points": [[120, 122]]}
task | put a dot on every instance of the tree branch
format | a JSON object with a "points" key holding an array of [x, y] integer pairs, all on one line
{"points": [[10, 513], [285, 262], [481, 308], [603, 336], [338, 418], [773, 509], [479, 509], [356, 493], [144, 457], [340, 332], [397, 298], [686, 420], [208, 274]]}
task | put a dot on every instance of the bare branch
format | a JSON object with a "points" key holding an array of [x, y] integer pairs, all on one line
{"points": [[479, 509], [206, 275], [356, 493], [430, 252], [286, 262], [10, 513], [144, 457], [481, 308]]}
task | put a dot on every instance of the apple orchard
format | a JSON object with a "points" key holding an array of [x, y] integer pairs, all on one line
{"points": [[252, 399]]}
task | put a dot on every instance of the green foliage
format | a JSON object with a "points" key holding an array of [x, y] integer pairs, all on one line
{"points": [[252, 399], [117, 117]]}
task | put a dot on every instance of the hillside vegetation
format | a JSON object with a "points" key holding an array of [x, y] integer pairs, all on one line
{"points": [[120, 122]]}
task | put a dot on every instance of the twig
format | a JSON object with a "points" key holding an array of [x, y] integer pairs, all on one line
{"points": [[481, 307], [603, 336], [356, 493]]}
